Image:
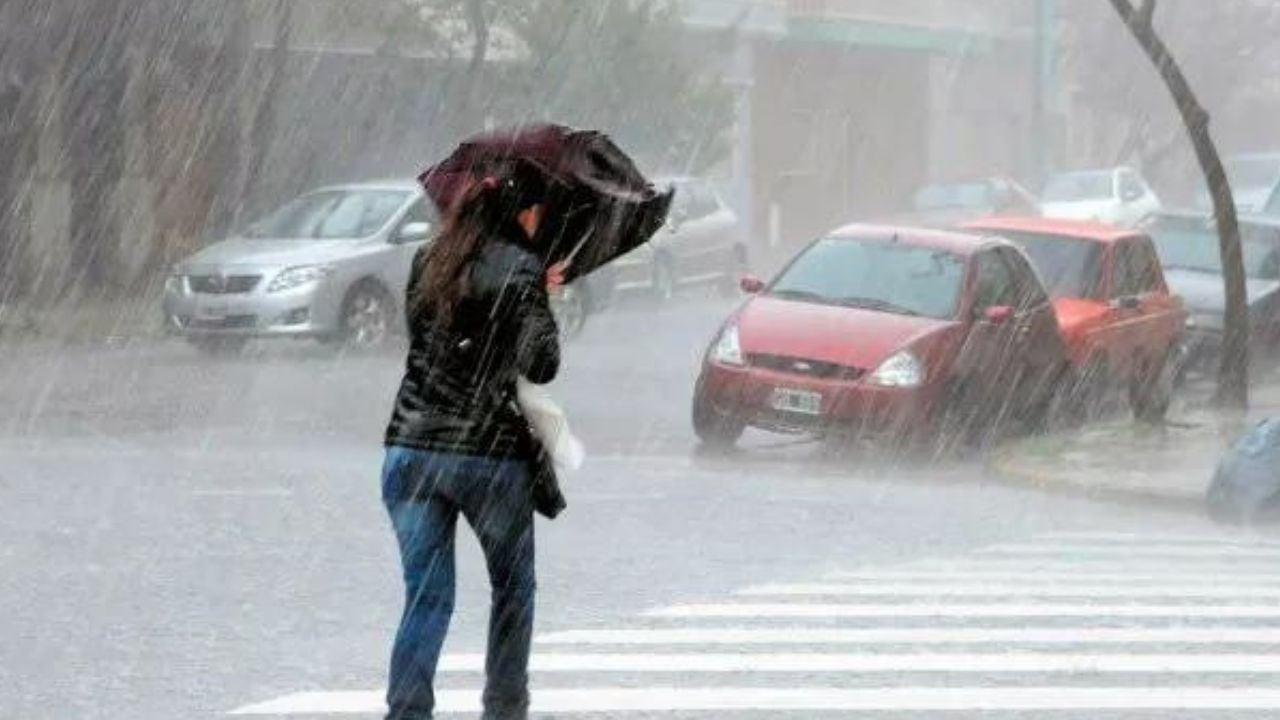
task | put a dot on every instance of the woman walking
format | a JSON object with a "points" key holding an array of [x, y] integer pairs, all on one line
{"points": [[457, 444]]}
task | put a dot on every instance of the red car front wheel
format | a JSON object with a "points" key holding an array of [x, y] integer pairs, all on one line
{"points": [[714, 428]]}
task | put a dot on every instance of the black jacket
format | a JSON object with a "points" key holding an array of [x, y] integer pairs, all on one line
{"points": [[458, 392]]}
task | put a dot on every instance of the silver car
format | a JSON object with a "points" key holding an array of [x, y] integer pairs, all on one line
{"points": [[332, 265], [701, 243]]}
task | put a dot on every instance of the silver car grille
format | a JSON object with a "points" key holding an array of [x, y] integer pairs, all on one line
{"points": [[223, 284]]}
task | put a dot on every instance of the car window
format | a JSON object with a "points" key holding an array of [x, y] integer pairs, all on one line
{"points": [[680, 202], [1273, 202], [881, 275], [1028, 291], [1136, 270], [419, 211], [1076, 186], [1269, 266], [702, 201], [1130, 186], [996, 284], [1191, 243], [1069, 267], [940, 197], [1253, 172]]}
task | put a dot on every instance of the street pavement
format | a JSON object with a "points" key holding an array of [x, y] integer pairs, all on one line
{"points": [[185, 537]]}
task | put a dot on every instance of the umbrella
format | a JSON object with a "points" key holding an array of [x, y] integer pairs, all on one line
{"points": [[599, 206]]}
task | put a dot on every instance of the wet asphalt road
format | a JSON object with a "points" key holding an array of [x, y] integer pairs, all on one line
{"points": [[181, 536]]}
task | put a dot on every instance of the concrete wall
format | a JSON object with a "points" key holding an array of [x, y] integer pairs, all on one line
{"points": [[837, 134], [980, 112]]}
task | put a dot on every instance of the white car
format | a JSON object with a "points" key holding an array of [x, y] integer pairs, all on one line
{"points": [[1115, 196]]}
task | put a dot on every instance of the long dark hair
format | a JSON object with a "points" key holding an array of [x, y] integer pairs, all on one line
{"points": [[488, 207]]}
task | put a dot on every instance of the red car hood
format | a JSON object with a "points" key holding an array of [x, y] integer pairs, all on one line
{"points": [[847, 336], [1075, 314]]}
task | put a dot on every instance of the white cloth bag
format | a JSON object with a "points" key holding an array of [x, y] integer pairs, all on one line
{"points": [[550, 425]]}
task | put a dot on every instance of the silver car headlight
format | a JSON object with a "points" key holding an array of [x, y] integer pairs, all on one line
{"points": [[175, 284], [728, 349], [293, 277], [901, 370]]}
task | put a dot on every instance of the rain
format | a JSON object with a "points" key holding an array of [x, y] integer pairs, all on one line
{"points": [[853, 358]]}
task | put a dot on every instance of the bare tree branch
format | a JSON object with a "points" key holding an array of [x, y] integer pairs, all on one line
{"points": [[1147, 13]]}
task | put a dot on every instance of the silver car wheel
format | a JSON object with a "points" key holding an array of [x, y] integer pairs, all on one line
{"points": [[365, 319]]}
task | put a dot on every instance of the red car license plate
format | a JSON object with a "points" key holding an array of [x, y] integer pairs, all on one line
{"points": [[796, 401]]}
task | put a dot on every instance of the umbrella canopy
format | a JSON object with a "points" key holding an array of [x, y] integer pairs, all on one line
{"points": [[599, 206]]}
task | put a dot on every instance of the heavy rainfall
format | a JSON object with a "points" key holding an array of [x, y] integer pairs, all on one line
{"points": [[873, 358]]}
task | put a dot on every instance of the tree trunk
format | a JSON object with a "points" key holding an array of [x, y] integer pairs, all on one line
{"points": [[1233, 370]]}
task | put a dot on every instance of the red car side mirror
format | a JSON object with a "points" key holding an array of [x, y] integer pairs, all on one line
{"points": [[998, 314], [751, 285]]}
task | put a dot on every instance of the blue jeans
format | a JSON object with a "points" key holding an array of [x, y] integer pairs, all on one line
{"points": [[424, 492]]}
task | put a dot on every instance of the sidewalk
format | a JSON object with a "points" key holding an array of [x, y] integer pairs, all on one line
{"points": [[1120, 460], [69, 322]]}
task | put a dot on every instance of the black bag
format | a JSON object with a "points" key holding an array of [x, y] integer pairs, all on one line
{"points": [[548, 501], [1246, 485]]}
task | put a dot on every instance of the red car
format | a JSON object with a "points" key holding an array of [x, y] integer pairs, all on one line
{"points": [[1121, 324], [885, 332]]}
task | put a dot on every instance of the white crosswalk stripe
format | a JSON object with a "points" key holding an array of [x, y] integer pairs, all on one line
{"points": [[1073, 622], [1025, 589]]}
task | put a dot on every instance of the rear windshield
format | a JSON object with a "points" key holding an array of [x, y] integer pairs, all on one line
{"points": [[1079, 186], [968, 195], [875, 274], [1070, 267]]}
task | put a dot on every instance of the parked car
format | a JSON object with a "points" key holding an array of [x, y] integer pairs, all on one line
{"points": [[331, 264], [1119, 320], [883, 332], [945, 204], [702, 243], [1271, 205], [1114, 196], [1254, 179], [1188, 247]]}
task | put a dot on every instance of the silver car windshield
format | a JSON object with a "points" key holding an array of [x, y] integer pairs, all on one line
{"points": [[331, 215], [1193, 245], [1256, 173]]}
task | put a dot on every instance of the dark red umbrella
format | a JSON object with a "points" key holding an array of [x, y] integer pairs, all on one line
{"points": [[599, 205]]}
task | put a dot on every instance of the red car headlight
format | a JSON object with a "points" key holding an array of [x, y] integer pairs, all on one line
{"points": [[728, 349], [901, 370]]}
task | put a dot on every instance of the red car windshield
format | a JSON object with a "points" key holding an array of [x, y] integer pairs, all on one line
{"points": [[1069, 267], [876, 275]]}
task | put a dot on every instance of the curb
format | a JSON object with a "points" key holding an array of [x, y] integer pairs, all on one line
{"points": [[1006, 466]]}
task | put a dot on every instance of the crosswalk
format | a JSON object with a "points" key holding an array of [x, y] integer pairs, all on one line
{"points": [[1064, 622]]}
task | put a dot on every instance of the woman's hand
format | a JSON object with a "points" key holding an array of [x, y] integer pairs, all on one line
{"points": [[555, 275]]}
